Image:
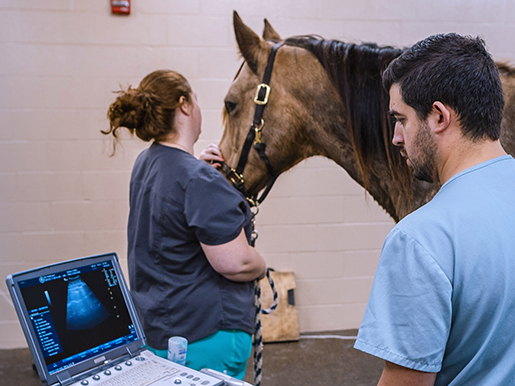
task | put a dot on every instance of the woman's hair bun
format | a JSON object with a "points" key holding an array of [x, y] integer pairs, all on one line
{"points": [[128, 110], [149, 110]]}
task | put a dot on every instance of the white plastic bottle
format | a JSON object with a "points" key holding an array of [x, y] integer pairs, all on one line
{"points": [[177, 349]]}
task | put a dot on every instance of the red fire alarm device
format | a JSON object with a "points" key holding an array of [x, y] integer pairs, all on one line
{"points": [[121, 7]]}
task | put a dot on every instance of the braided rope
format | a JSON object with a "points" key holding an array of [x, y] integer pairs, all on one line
{"points": [[258, 335], [275, 300]]}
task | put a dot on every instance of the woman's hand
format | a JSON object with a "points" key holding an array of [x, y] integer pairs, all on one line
{"points": [[212, 155]]}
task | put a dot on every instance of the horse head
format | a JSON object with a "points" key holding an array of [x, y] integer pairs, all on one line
{"points": [[326, 98], [295, 114]]}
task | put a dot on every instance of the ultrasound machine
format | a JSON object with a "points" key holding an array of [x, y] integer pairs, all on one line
{"points": [[82, 329]]}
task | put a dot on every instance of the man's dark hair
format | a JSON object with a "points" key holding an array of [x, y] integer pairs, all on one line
{"points": [[457, 71]]}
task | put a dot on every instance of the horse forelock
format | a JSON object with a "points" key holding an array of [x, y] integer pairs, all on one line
{"points": [[355, 70]]}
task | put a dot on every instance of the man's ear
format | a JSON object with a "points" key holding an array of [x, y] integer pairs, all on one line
{"points": [[440, 117]]}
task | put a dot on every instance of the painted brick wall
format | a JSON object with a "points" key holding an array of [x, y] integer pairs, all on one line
{"points": [[62, 196]]}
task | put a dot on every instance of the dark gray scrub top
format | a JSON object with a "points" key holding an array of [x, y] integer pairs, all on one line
{"points": [[176, 201]]}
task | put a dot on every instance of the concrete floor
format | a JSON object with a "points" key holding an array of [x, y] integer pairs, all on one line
{"points": [[313, 362]]}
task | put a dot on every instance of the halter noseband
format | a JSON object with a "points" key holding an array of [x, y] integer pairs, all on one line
{"points": [[235, 176]]}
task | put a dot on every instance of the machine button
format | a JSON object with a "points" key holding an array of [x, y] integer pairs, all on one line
{"points": [[96, 377]]}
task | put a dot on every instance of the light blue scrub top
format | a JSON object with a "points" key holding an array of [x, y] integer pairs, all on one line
{"points": [[443, 298]]}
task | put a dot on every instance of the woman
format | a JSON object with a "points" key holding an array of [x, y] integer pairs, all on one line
{"points": [[191, 268]]}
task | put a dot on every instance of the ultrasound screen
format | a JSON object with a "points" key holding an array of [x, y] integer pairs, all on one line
{"points": [[77, 314]]}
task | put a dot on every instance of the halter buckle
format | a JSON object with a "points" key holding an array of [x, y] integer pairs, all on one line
{"points": [[235, 178], [264, 101]]}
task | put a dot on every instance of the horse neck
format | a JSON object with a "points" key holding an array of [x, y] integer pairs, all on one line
{"points": [[359, 132], [392, 188]]}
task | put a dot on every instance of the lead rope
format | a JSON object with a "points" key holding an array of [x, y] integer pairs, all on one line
{"points": [[258, 334]]}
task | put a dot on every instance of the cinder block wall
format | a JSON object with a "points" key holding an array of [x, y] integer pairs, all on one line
{"points": [[62, 196]]}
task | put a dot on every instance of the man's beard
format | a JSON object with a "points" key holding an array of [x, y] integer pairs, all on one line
{"points": [[424, 162]]}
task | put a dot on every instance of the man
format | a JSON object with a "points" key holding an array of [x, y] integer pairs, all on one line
{"points": [[442, 307]]}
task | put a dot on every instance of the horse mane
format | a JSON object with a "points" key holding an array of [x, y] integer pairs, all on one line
{"points": [[355, 70], [506, 69]]}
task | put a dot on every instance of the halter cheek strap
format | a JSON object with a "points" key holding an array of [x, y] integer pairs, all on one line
{"points": [[254, 137]]}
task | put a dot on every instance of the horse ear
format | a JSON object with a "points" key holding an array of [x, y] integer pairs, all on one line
{"points": [[250, 44], [270, 34]]}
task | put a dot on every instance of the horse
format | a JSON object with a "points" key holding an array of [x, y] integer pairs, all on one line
{"points": [[326, 99]]}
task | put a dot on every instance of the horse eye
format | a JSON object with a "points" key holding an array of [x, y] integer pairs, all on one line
{"points": [[229, 106]]}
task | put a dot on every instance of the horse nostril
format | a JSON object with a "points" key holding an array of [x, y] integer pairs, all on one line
{"points": [[229, 106]]}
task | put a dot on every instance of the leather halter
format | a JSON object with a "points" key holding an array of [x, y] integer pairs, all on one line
{"points": [[235, 176]]}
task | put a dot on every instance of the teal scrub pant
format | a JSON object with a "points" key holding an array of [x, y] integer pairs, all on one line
{"points": [[226, 351]]}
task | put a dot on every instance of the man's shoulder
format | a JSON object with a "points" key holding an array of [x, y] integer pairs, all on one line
{"points": [[484, 170]]}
